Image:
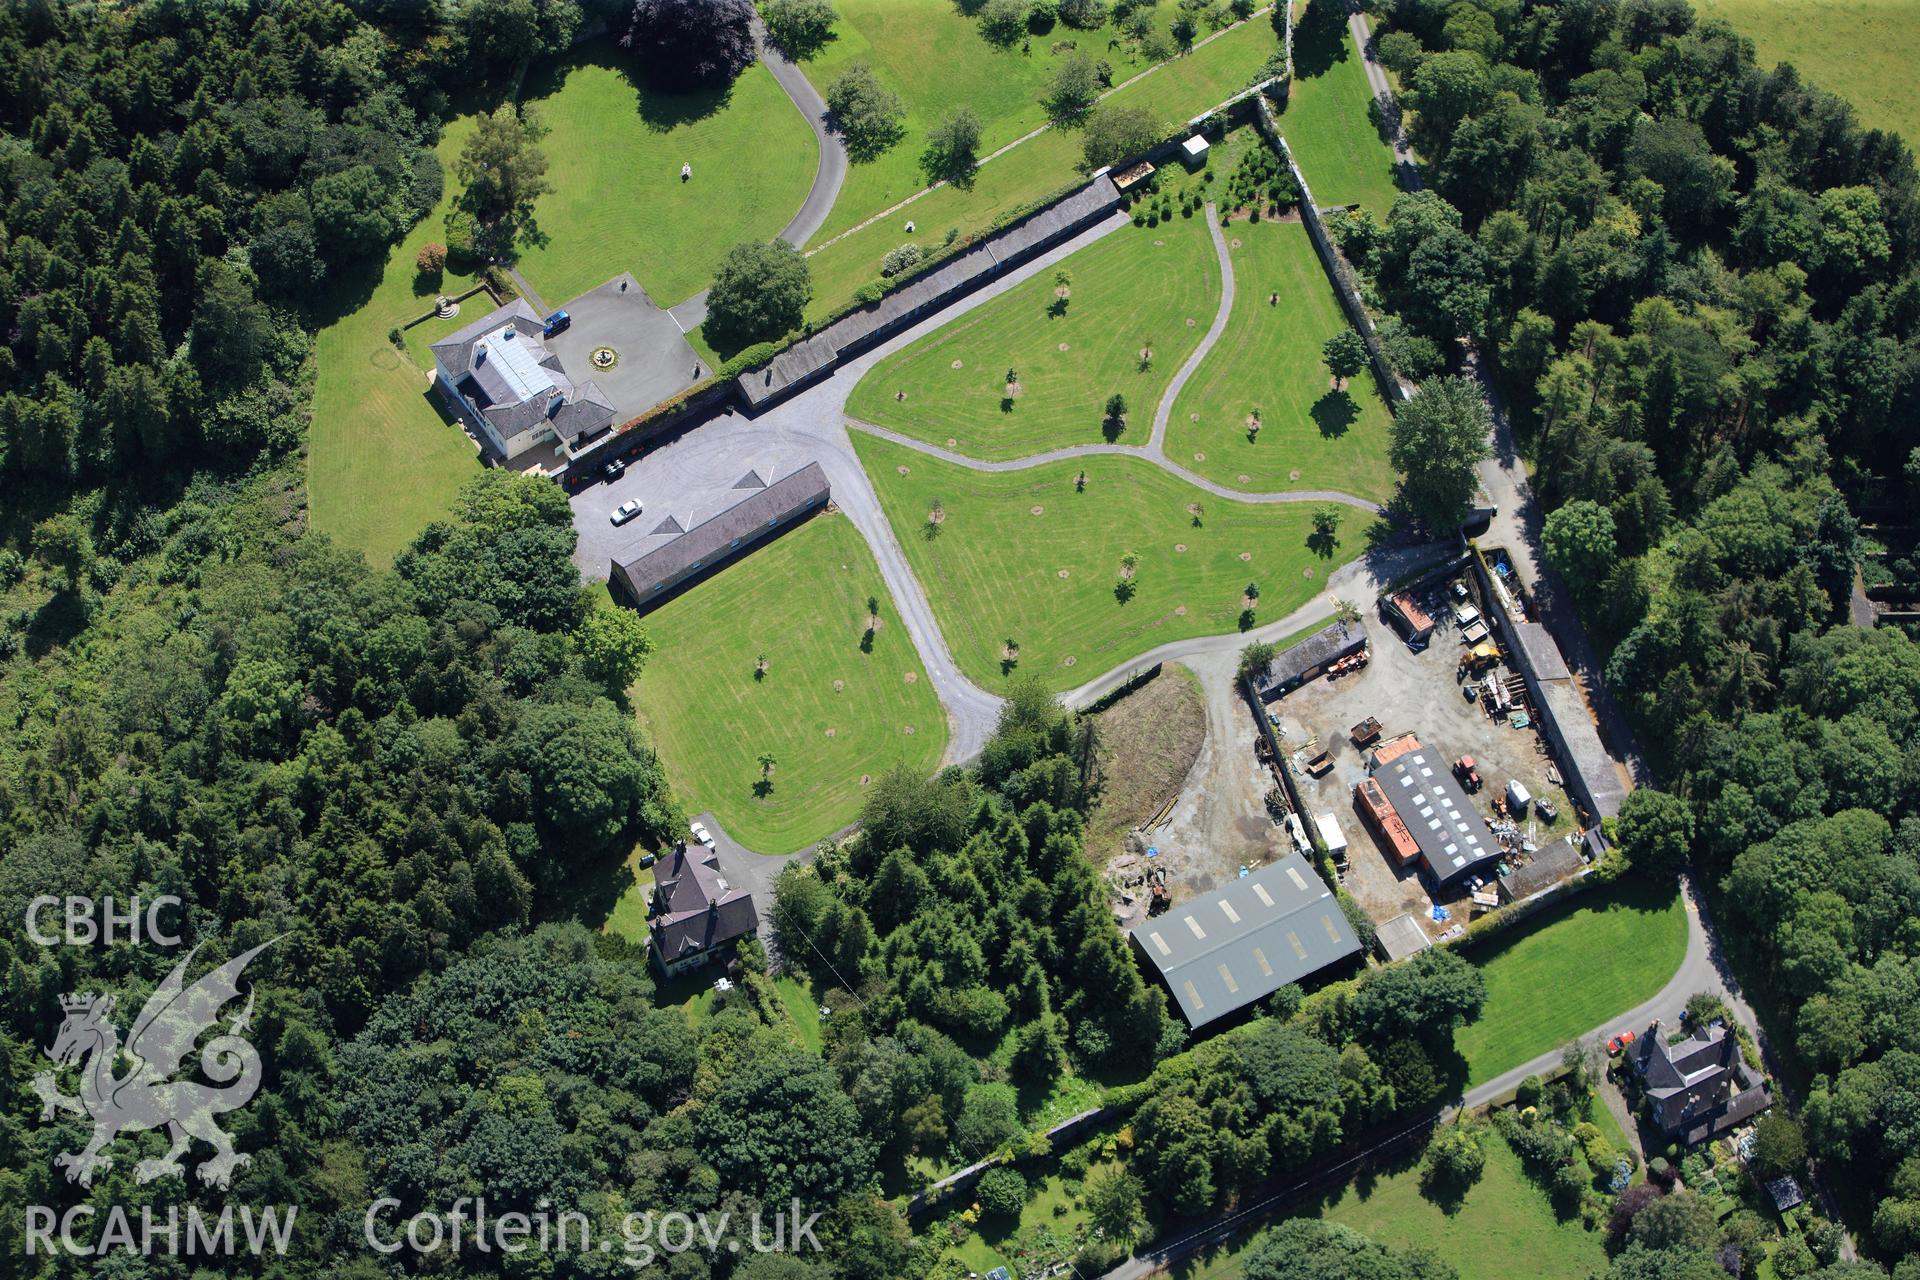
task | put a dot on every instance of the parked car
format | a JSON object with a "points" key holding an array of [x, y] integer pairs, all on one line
{"points": [[558, 322], [614, 470], [701, 833], [1621, 1041], [625, 511]]}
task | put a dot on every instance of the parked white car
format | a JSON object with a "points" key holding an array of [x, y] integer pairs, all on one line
{"points": [[625, 511], [701, 834]]}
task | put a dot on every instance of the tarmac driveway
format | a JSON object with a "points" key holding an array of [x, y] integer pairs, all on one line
{"points": [[687, 480], [655, 361]]}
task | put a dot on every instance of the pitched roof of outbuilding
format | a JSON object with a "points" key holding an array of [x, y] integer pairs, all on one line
{"points": [[1241, 943]]}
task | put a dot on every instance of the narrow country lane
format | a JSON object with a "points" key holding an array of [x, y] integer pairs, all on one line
{"points": [[827, 179]]}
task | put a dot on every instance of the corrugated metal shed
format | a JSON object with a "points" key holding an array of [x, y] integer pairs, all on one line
{"points": [[1239, 944], [1453, 837], [1401, 937]]}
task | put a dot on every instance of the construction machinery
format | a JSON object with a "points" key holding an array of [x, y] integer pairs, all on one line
{"points": [[1480, 657], [1366, 732], [1468, 773]]}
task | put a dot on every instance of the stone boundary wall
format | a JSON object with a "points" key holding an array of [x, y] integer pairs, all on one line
{"points": [[1587, 792]]}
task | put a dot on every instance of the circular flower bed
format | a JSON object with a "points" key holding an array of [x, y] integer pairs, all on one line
{"points": [[604, 357]]}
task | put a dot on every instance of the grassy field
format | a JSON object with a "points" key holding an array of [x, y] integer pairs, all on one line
{"points": [[1311, 436], [933, 56], [1022, 556], [382, 460], [829, 711], [1505, 1228], [614, 151], [1863, 50], [1176, 91], [1559, 975], [1141, 288], [1327, 126]]}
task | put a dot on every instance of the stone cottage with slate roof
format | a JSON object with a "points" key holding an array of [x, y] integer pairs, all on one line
{"points": [[1699, 1087], [1297, 664], [498, 376], [698, 917], [676, 552]]}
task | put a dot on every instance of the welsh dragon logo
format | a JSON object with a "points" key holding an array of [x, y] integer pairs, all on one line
{"points": [[146, 1096]]}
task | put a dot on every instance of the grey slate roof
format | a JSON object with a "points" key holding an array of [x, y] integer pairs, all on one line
{"points": [[455, 351], [808, 359], [1329, 644], [719, 534], [1453, 837], [1700, 1086], [1572, 724], [1238, 944], [698, 910], [1588, 758], [1549, 867], [1048, 225], [1543, 655], [584, 409]]}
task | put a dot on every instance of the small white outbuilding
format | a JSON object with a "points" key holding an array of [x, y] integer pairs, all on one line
{"points": [[1194, 151]]}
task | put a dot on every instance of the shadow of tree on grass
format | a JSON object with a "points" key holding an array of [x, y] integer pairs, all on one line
{"points": [[1334, 413]]}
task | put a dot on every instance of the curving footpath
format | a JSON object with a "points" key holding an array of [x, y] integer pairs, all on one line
{"points": [[1156, 442], [1154, 450], [1145, 453], [815, 421]]}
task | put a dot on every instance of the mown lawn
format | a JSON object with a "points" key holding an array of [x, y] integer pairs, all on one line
{"points": [[1327, 126], [933, 55], [1140, 289], [1038, 167], [382, 460], [1864, 50], [1311, 436], [628, 918], [1023, 556], [1505, 1228], [829, 712], [1559, 975], [614, 151]]}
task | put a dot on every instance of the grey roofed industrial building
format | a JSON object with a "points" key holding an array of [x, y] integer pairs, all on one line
{"points": [[656, 565], [1569, 724], [1297, 664], [1401, 937], [1241, 943], [1453, 837], [1549, 867]]}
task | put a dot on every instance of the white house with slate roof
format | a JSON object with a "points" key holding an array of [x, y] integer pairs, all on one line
{"points": [[498, 375]]}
